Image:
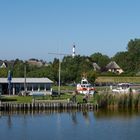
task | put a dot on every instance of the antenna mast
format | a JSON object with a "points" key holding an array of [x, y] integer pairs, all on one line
{"points": [[59, 54]]}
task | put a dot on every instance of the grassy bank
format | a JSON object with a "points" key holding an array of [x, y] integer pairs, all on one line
{"points": [[117, 79], [28, 99], [18, 99], [104, 100]]}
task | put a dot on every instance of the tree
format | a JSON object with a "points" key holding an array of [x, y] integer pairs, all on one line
{"points": [[3, 72], [55, 69], [73, 68], [121, 58], [133, 55], [100, 59], [18, 69], [92, 76]]}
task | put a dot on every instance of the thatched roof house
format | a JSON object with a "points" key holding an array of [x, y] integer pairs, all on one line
{"points": [[35, 62], [114, 67], [96, 67]]}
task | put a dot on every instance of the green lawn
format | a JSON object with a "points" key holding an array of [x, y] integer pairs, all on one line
{"points": [[117, 79], [19, 99], [28, 99], [64, 88]]}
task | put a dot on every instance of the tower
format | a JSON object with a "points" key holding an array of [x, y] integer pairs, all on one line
{"points": [[73, 51]]}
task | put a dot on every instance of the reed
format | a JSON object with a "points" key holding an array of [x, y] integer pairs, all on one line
{"points": [[106, 100]]}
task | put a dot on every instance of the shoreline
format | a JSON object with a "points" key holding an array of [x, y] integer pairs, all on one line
{"points": [[9, 106]]}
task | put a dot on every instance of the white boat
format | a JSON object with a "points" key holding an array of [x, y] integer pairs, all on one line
{"points": [[37, 93], [123, 88], [85, 87]]}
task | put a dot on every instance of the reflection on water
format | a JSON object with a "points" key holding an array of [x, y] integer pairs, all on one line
{"points": [[75, 125], [120, 113], [9, 121], [74, 117]]}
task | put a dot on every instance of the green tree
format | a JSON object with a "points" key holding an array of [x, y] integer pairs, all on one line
{"points": [[134, 55], [121, 58], [3, 72], [92, 76], [55, 69], [18, 69], [73, 68], [100, 59]]}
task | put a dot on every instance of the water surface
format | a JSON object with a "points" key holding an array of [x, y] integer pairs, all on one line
{"points": [[72, 125]]}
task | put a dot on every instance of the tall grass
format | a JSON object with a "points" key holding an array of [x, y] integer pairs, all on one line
{"points": [[107, 100]]}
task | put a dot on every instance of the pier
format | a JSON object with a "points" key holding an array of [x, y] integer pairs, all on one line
{"points": [[10, 106]]}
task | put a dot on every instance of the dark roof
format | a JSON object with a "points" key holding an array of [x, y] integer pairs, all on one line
{"points": [[7, 63], [10, 63], [33, 59]]}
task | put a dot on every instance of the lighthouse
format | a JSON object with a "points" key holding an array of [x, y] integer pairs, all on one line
{"points": [[73, 51]]}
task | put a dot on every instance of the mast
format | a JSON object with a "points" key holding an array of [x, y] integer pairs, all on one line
{"points": [[59, 69], [25, 89]]}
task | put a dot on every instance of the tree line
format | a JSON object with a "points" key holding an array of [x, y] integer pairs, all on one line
{"points": [[72, 69]]}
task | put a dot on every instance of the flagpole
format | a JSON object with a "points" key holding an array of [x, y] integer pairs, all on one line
{"points": [[9, 81], [25, 89]]}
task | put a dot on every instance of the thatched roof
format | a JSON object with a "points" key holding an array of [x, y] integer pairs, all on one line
{"points": [[96, 66], [113, 65]]}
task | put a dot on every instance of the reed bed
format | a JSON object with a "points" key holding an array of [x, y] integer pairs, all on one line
{"points": [[110, 100]]}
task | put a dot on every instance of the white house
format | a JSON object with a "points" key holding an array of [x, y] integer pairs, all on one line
{"points": [[19, 84]]}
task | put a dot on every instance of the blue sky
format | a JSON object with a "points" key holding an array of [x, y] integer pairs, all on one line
{"points": [[33, 28]]}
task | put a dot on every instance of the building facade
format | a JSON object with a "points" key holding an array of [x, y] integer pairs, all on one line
{"points": [[21, 84]]}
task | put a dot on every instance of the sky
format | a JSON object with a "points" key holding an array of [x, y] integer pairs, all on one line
{"points": [[35, 28]]}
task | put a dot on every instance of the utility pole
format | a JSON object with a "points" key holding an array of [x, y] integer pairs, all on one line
{"points": [[59, 70], [25, 88]]}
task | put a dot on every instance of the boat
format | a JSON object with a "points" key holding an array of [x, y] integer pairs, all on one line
{"points": [[37, 93], [85, 87], [123, 88]]}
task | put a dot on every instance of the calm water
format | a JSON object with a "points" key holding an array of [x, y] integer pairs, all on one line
{"points": [[107, 125]]}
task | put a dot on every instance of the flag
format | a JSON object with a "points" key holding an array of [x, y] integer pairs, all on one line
{"points": [[9, 76], [9, 81]]}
